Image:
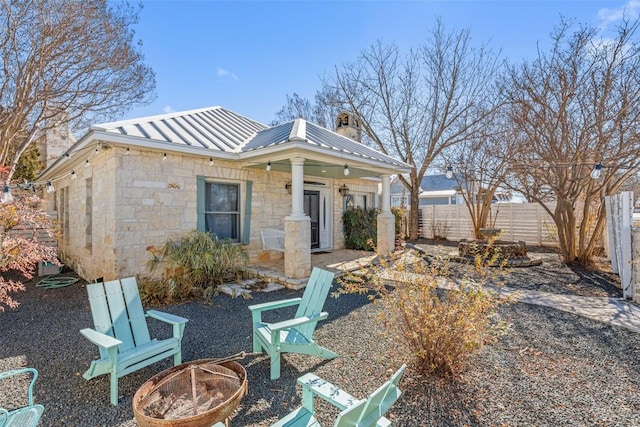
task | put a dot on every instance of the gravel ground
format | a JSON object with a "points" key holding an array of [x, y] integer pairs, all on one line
{"points": [[553, 368]]}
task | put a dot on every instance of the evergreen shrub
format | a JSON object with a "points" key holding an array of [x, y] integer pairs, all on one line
{"points": [[360, 228]]}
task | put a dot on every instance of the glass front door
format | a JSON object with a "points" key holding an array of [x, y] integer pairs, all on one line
{"points": [[312, 209]]}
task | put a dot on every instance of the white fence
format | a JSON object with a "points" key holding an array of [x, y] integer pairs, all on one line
{"points": [[619, 230], [528, 222]]}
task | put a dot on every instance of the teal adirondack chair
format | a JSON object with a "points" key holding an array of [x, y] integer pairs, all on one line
{"points": [[367, 412], [24, 416], [122, 335], [293, 335]]}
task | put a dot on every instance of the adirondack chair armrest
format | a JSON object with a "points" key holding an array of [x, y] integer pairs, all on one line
{"points": [[274, 304], [100, 339], [166, 317], [312, 385], [178, 322], [292, 323]]}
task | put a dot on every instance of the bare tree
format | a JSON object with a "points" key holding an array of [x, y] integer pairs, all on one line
{"points": [[65, 61], [574, 109], [414, 106], [323, 111], [479, 167]]}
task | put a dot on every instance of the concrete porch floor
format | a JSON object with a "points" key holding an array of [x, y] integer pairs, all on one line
{"points": [[339, 262]]}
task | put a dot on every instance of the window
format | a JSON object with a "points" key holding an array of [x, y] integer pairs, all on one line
{"points": [[64, 212], [88, 213], [400, 200], [222, 210], [361, 201]]}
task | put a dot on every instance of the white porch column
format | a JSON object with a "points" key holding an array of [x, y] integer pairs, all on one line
{"points": [[386, 194], [297, 186], [386, 220], [297, 227]]}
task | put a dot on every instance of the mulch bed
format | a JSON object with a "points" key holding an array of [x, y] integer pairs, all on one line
{"points": [[553, 368]]}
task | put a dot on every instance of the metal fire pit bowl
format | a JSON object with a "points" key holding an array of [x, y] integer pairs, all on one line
{"points": [[193, 394]]}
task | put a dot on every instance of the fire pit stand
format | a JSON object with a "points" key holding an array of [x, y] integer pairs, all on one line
{"points": [[193, 394]]}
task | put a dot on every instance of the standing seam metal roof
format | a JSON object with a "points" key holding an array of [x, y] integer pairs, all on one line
{"points": [[216, 128], [317, 136]]}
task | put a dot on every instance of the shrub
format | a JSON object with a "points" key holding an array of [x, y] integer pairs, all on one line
{"points": [[360, 228], [439, 328], [400, 215], [20, 250], [194, 266], [440, 230]]}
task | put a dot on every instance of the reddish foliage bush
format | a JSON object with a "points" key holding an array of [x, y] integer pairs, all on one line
{"points": [[20, 248]]}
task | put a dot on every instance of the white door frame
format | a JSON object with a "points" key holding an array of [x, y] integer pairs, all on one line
{"points": [[326, 210]]}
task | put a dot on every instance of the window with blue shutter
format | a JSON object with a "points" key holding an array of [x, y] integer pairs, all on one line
{"points": [[218, 207]]}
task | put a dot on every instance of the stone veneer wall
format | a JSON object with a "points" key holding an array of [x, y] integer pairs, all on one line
{"points": [[139, 201], [98, 259]]}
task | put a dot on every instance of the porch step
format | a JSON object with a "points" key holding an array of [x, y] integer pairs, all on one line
{"points": [[275, 277]]}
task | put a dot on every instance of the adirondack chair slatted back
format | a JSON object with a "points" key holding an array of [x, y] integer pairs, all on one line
{"points": [[314, 297], [368, 412], [117, 311]]}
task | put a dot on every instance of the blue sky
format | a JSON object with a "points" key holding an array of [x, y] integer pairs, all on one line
{"points": [[248, 55]]}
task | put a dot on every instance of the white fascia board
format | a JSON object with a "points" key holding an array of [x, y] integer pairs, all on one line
{"points": [[436, 193], [289, 149], [170, 147], [94, 137]]}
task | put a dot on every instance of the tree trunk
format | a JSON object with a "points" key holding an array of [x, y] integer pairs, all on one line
{"points": [[414, 212], [584, 255], [565, 221]]}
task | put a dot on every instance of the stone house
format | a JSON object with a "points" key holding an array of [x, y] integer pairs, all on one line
{"points": [[128, 186]]}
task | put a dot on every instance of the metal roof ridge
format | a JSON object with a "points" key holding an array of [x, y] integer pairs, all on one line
{"points": [[298, 130], [367, 151], [240, 148], [155, 117]]}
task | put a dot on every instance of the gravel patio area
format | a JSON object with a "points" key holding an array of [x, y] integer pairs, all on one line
{"points": [[553, 368]]}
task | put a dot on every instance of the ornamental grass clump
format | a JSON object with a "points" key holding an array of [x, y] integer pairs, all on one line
{"points": [[194, 266], [440, 323]]}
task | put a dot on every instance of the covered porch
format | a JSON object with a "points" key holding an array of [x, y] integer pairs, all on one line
{"points": [[339, 262], [321, 167]]}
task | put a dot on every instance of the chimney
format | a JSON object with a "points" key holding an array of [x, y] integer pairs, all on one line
{"points": [[55, 141], [347, 125]]}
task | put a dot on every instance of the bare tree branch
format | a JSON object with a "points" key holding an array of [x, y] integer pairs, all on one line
{"points": [[416, 105], [65, 61], [570, 108]]}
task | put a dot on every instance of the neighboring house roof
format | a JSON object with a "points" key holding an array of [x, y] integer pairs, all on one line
{"points": [[438, 183], [214, 128], [430, 184]]}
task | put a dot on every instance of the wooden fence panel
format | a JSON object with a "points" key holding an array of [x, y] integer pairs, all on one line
{"points": [[528, 222], [27, 232]]}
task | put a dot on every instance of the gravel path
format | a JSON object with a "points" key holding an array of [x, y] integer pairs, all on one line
{"points": [[553, 368]]}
